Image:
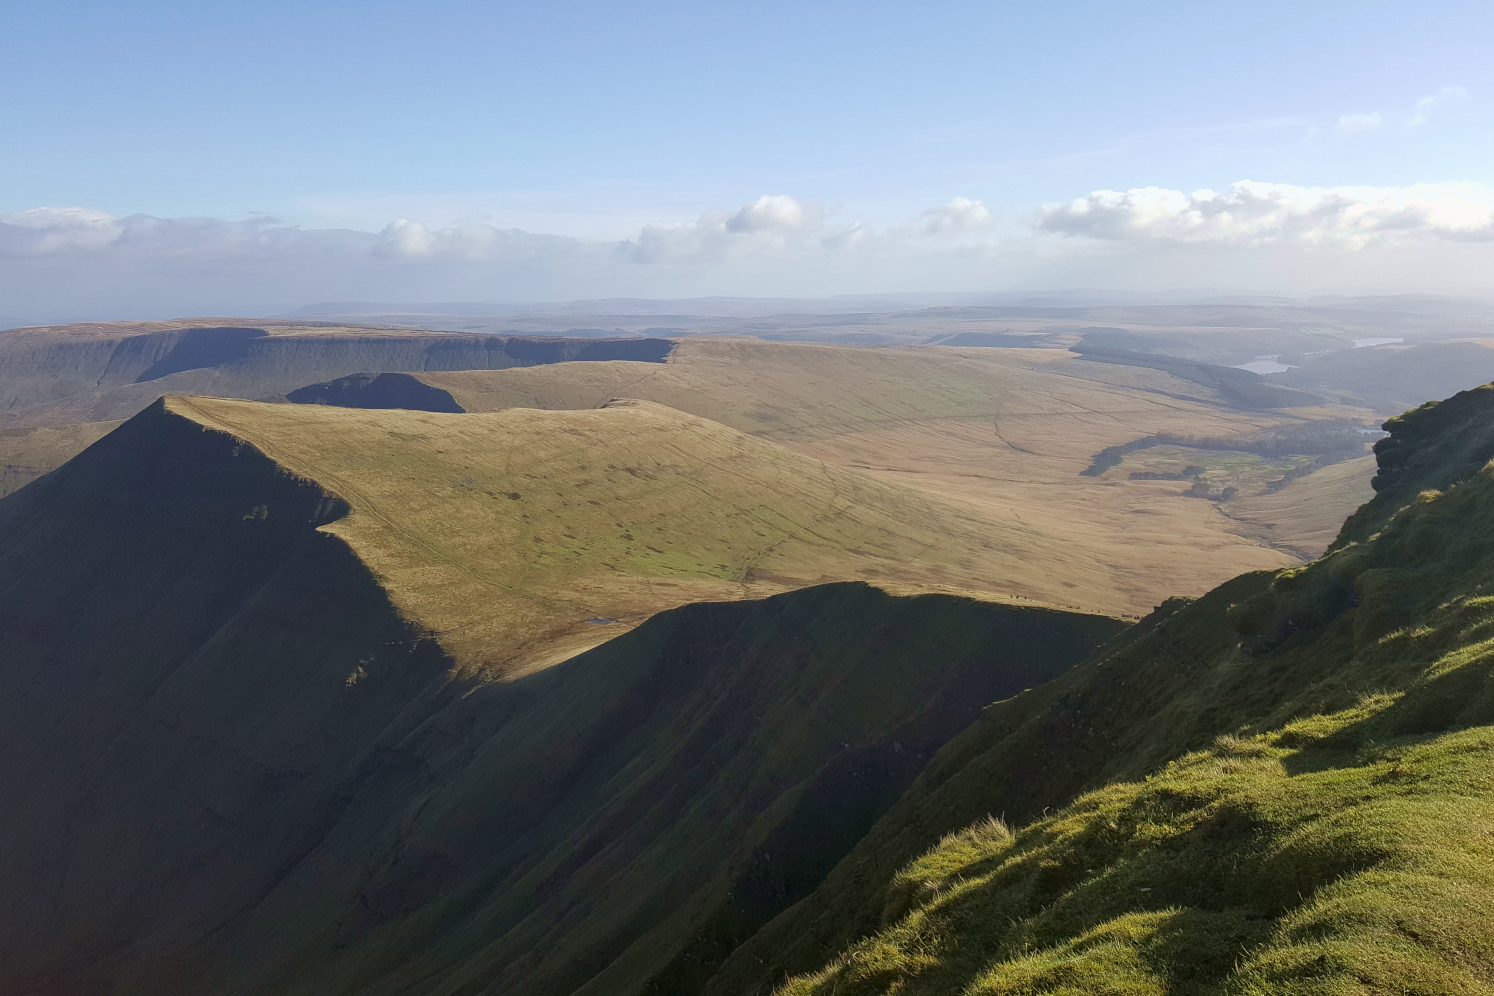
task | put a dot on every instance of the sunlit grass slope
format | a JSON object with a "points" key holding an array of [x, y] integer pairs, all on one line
{"points": [[1002, 433], [522, 536], [1284, 787]]}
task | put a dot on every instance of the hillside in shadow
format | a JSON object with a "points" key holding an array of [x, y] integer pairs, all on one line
{"points": [[234, 766]]}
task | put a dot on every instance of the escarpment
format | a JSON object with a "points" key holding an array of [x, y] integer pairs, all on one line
{"points": [[236, 764]]}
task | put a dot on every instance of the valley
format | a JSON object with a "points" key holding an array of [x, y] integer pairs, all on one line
{"points": [[799, 499], [1002, 435], [420, 662]]}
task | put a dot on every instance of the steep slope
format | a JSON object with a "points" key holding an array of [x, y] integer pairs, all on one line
{"points": [[1281, 787], [232, 765], [524, 536], [177, 727], [1002, 434]]}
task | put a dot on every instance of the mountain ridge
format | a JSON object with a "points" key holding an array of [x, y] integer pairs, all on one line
{"points": [[1220, 802], [238, 767]]}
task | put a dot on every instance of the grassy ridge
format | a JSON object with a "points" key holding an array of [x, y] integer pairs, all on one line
{"points": [[524, 536], [1000, 433], [178, 726], [233, 766], [1282, 787]]}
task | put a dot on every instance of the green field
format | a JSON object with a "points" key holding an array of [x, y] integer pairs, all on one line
{"points": [[1248, 473]]}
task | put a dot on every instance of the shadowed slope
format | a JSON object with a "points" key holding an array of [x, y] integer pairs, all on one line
{"points": [[389, 390], [177, 728], [232, 767], [635, 812], [1315, 748]]}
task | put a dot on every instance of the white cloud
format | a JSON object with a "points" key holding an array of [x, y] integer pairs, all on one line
{"points": [[1269, 214], [773, 224], [62, 231], [960, 216], [40, 231], [412, 240], [779, 225], [51, 231], [61, 261], [779, 214]]}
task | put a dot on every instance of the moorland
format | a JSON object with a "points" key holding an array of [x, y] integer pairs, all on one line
{"points": [[955, 649]]}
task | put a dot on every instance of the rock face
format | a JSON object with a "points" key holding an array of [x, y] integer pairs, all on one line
{"points": [[231, 766]]}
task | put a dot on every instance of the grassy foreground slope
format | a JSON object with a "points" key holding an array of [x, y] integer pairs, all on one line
{"points": [[1285, 786], [232, 765], [1001, 433], [522, 536]]}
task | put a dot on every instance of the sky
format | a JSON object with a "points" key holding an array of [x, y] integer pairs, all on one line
{"points": [[247, 158]]}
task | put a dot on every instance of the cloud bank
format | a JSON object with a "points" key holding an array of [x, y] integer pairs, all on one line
{"points": [[58, 263], [79, 231], [1252, 214], [774, 225]]}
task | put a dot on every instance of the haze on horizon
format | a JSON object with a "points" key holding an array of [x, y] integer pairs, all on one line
{"points": [[240, 158]]}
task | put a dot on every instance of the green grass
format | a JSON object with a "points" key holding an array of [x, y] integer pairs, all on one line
{"points": [[1219, 469], [26, 454], [1333, 834], [1315, 859]]}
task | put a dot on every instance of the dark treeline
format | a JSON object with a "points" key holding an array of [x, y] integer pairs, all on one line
{"points": [[1330, 440]]}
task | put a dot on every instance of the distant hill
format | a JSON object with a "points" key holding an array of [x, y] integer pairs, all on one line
{"points": [[249, 744], [994, 435], [104, 371], [1246, 389]]}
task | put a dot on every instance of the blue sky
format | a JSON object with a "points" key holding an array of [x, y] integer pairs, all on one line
{"points": [[591, 121]]}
